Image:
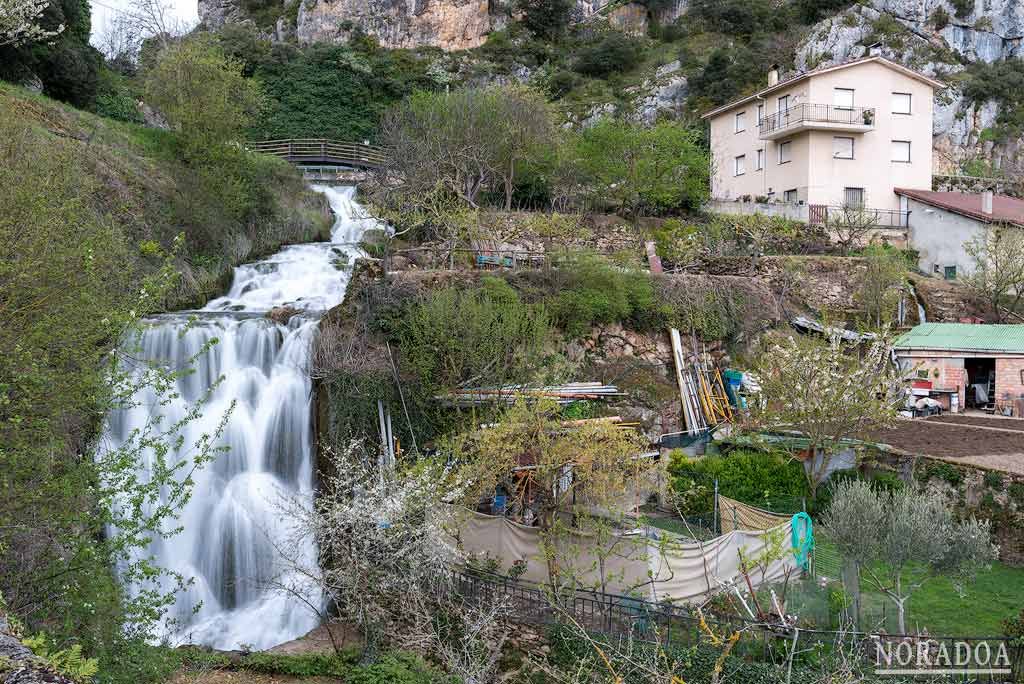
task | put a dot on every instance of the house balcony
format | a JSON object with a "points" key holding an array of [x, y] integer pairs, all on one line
{"points": [[816, 117]]}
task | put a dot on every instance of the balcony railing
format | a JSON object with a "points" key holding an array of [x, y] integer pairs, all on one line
{"points": [[820, 214], [817, 113]]}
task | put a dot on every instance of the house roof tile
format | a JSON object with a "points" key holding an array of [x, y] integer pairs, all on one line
{"points": [[1004, 209]]}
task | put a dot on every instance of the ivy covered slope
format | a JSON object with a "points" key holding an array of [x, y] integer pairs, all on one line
{"points": [[90, 214]]}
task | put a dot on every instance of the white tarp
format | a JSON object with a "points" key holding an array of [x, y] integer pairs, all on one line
{"points": [[658, 569]]}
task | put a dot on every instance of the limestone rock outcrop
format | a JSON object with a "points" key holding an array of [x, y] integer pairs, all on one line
{"points": [[936, 37], [447, 24]]}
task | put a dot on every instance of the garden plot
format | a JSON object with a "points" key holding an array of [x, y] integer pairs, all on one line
{"points": [[965, 441]]}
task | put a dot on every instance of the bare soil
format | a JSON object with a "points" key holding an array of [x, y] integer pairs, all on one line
{"points": [[964, 442], [1015, 424]]}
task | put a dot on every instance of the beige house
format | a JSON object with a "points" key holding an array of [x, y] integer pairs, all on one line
{"points": [[837, 136]]}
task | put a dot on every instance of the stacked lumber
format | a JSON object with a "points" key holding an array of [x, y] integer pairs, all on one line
{"points": [[508, 394], [701, 390]]}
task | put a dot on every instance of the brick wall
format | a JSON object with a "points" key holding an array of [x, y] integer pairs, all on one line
{"points": [[1008, 378]]}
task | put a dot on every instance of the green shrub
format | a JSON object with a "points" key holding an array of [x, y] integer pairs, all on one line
{"points": [[753, 477], [1017, 493], [400, 668], [593, 292], [613, 53], [947, 472], [962, 8], [994, 479], [150, 249], [487, 334]]}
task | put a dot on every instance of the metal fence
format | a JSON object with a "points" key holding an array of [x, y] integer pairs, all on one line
{"points": [[622, 617]]}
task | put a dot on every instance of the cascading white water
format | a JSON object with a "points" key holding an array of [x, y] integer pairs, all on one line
{"points": [[231, 524]]}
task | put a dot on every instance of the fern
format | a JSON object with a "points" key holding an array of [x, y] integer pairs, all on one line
{"points": [[68, 662]]}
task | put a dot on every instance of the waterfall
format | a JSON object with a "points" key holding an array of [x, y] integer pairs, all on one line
{"points": [[231, 523], [921, 317]]}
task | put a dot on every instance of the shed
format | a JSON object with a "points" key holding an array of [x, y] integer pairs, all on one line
{"points": [[982, 364]]}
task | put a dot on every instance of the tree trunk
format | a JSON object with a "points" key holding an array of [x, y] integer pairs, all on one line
{"points": [[901, 606], [508, 185], [851, 582]]}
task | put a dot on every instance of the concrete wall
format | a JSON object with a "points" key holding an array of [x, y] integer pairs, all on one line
{"points": [[939, 236], [814, 172], [797, 212]]}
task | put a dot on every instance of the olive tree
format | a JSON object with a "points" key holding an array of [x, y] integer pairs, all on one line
{"points": [[901, 539], [825, 392], [998, 275]]}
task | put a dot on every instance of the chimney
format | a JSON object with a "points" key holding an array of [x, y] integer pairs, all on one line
{"points": [[773, 75], [986, 202]]}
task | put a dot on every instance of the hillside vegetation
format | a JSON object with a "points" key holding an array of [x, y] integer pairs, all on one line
{"points": [[95, 217]]}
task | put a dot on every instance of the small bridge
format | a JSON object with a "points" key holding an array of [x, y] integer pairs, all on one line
{"points": [[320, 151]]}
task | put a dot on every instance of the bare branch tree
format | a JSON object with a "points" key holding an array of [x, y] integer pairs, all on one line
{"points": [[998, 274]]}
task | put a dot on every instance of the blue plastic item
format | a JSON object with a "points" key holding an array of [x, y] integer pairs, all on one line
{"points": [[802, 536]]}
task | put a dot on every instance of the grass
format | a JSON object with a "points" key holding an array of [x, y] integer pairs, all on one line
{"points": [[995, 595]]}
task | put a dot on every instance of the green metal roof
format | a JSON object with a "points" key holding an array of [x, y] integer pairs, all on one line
{"points": [[964, 337]]}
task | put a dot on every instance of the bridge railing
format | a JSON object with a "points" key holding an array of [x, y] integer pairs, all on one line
{"points": [[322, 149]]}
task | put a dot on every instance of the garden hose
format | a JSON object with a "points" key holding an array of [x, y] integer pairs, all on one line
{"points": [[803, 538]]}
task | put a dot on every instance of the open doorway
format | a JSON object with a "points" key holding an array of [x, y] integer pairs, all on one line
{"points": [[981, 383]]}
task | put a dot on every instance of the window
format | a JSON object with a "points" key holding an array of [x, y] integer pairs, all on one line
{"points": [[760, 159], [901, 151], [853, 197], [842, 98], [741, 122], [901, 103], [760, 113], [789, 196], [783, 103], [786, 152], [842, 148], [740, 165], [949, 272]]}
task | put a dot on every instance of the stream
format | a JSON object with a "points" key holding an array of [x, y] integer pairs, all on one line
{"points": [[231, 526]]}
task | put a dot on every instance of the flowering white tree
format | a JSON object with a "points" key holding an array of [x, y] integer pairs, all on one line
{"points": [[387, 551], [901, 539], [19, 22], [826, 392]]}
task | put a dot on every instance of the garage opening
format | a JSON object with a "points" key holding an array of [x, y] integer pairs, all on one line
{"points": [[981, 383]]}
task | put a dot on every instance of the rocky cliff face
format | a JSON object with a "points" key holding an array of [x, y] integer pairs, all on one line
{"points": [[937, 37], [447, 24]]}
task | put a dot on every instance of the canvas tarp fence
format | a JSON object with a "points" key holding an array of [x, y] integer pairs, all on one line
{"points": [[736, 515], [657, 569]]}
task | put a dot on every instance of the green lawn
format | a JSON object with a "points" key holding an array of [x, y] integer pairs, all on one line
{"points": [[994, 595]]}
